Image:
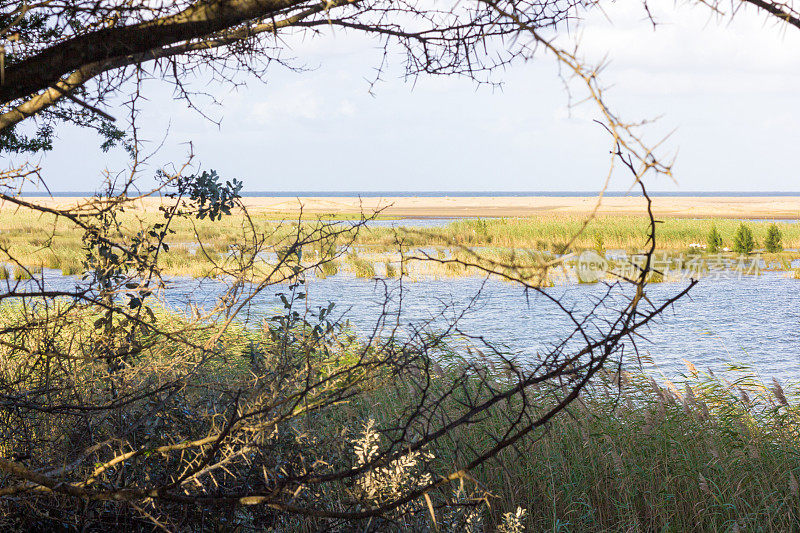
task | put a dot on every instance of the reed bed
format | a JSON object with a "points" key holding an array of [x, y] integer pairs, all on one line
{"points": [[21, 274], [328, 268], [362, 268], [715, 453], [604, 232], [40, 240]]}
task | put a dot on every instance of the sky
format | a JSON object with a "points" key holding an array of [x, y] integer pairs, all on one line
{"points": [[727, 95]]}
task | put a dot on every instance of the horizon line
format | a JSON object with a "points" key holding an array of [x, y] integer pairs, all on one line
{"points": [[462, 193]]}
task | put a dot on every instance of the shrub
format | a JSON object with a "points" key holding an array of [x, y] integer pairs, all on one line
{"points": [[743, 241], [4, 274], [714, 241], [773, 242]]}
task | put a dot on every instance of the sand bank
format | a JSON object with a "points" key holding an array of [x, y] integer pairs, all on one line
{"points": [[780, 207]]}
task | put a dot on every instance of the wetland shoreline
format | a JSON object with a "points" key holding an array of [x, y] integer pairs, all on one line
{"points": [[741, 207]]}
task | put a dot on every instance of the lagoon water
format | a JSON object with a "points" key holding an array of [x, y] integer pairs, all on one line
{"points": [[751, 321]]}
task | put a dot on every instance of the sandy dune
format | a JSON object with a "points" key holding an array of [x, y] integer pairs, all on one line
{"points": [[782, 207]]}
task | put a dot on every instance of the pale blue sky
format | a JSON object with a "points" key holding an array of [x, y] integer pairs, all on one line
{"points": [[731, 92]]}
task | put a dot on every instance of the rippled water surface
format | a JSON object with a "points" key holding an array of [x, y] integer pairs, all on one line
{"points": [[752, 320]]}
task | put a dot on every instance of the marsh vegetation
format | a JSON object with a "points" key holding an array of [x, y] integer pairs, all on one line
{"points": [[117, 413], [36, 240], [299, 416]]}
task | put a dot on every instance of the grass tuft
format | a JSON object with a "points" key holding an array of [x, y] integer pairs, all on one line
{"points": [[328, 268], [361, 267], [21, 274], [391, 271]]}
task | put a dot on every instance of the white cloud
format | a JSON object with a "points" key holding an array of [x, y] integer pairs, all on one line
{"points": [[301, 103], [729, 90], [302, 100], [692, 44], [346, 108]]}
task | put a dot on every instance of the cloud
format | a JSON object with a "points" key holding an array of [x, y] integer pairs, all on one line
{"points": [[729, 89], [690, 51], [346, 108], [292, 104], [304, 101]]}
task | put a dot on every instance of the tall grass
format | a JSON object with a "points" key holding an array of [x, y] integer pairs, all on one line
{"points": [[328, 268], [70, 269], [720, 452], [391, 270], [25, 235], [52, 261], [715, 455], [362, 268], [604, 232], [21, 274]]}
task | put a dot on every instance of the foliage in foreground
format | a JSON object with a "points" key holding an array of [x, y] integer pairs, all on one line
{"points": [[187, 422], [720, 452], [716, 453], [100, 424]]}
